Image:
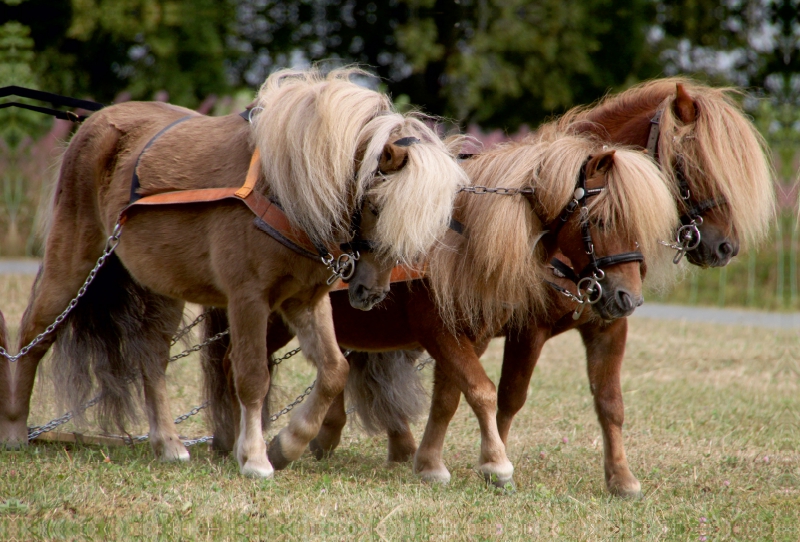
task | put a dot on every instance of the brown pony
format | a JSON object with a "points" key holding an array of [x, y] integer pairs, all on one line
{"points": [[493, 275], [329, 148], [704, 138]]}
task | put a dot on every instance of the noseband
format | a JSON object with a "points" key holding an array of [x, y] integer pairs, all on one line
{"points": [[588, 280], [687, 237]]}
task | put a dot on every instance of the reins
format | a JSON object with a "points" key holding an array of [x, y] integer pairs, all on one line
{"points": [[687, 237]]}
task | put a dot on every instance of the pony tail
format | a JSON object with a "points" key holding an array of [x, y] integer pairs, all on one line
{"points": [[99, 342], [386, 390]]}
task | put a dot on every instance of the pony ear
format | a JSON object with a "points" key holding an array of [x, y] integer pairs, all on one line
{"points": [[393, 158], [684, 105], [600, 163]]}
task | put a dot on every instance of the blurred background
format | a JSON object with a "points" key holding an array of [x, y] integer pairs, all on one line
{"points": [[497, 68]]}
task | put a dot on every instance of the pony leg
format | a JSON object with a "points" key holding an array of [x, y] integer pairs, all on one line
{"points": [[63, 272], [248, 355], [164, 438], [331, 431], [428, 462], [459, 360], [520, 354], [314, 328], [401, 446], [605, 349]]}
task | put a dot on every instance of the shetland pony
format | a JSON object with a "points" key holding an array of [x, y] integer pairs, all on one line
{"points": [[493, 275], [705, 139], [329, 149]]}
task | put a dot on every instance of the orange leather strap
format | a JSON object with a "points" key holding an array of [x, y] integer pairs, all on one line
{"points": [[278, 225]]}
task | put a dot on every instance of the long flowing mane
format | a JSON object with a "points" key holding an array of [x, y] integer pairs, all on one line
{"points": [[321, 137], [495, 269], [724, 156]]}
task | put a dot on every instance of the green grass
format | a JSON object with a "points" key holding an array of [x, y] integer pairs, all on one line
{"points": [[711, 431]]}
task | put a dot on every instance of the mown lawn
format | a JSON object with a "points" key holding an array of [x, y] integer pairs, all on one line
{"points": [[712, 432]]}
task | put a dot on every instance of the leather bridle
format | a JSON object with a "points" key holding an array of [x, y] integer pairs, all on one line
{"points": [[687, 236], [588, 279]]}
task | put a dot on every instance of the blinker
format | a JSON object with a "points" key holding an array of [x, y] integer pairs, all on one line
{"points": [[406, 141]]}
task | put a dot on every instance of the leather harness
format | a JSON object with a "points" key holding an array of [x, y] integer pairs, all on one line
{"points": [[270, 218]]}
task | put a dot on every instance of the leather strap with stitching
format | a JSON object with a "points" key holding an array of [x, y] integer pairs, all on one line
{"points": [[266, 211]]}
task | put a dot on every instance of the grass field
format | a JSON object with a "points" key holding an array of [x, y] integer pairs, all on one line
{"points": [[712, 432]]}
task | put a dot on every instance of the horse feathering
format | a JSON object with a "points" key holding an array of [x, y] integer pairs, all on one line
{"points": [[495, 270], [724, 156], [321, 138]]}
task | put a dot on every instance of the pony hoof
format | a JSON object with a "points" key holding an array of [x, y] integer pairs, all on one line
{"points": [[438, 476], [632, 491], [13, 435], [175, 457], [275, 455], [503, 483], [318, 450], [13, 445], [253, 469]]}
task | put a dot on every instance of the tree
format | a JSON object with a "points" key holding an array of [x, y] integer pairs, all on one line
{"points": [[99, 48]]}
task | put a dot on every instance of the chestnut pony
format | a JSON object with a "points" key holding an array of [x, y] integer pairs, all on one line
{"points": [[719, 165], [492, 275], [328, 149]]}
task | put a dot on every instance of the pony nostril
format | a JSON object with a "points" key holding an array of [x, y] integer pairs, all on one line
{"points": [[361, 292], [625, 301], [725, 249]]}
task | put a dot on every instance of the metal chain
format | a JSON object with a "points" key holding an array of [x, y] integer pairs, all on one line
{"points": [[201, 440], [278, 361], [182, 333], [34, 432], [200, 346], [497, 190], [111, 245], [424, 363], [300, 398], [196, 410], [180, 419]]}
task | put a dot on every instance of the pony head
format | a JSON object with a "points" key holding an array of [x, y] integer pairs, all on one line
{"points": [[706, 139], [329, 145], [498, 268]]}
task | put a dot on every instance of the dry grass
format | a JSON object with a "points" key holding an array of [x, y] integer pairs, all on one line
{"points": [[711, 431]]}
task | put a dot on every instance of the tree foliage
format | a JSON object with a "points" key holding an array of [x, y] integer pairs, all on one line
{"points": [[498, 63]]}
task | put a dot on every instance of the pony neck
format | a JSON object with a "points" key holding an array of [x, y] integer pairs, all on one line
{"points": [[624, 123]]}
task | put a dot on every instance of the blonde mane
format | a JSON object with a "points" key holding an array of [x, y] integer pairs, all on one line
{"points": [[725, 158], [495, 270], [311, 131]]}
